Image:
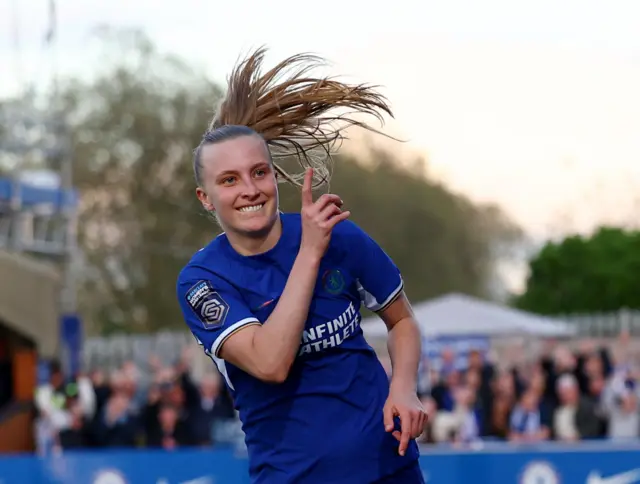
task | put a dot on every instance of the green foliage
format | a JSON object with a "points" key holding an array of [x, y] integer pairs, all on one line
{"points": [[133, 129], [585, 274]]}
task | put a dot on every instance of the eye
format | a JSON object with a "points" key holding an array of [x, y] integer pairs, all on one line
{"points": [[228, 180], [260, 172]]}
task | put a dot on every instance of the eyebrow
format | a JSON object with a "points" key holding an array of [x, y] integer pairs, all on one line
{"points": [[231, 172]]}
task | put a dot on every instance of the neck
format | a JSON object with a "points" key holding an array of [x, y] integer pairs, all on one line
{"points": [[254, 245]]}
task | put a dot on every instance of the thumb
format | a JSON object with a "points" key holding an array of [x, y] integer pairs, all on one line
{"points": [[388, 418]]}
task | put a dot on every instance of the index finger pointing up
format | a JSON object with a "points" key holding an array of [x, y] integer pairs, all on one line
{"points": [[307, 195]]}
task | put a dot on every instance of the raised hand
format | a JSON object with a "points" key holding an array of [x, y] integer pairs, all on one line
{"points": [[319, 217]]}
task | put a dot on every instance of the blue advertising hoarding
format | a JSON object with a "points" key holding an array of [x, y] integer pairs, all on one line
{"points": [[598, 463]]}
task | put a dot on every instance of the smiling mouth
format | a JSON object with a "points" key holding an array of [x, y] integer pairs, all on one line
{"points": [[251, 208]]}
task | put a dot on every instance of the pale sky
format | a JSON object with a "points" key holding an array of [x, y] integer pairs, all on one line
{"points": [[532, 105]]}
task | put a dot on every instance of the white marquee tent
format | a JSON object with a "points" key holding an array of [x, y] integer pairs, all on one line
{"points": [[461, 315]]}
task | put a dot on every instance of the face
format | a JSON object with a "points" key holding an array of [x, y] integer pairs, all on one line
{"points": [[505, 383], [596, 385], [475, 360], [593, 366], [452, 379], [240, 185], [530, 400], [448, 356], [537, 381], [472, 379], [568, 394], [464, 396], [168, 417], [57, 379]]}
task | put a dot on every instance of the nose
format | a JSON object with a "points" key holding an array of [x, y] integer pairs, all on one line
{"points": [[250, 190]]}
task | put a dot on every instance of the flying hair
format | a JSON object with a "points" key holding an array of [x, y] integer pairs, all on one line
{"points": [[298, 115]]}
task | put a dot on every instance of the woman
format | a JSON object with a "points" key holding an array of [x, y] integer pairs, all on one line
{"points": [[275, 299]]}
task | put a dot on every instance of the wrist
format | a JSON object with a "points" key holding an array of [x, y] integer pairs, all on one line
{"points": [[403, 385], [309, 257]]}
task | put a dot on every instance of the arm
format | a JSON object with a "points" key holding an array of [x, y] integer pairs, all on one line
{"points": [[381, 289], [404, 343], [268, 351], [405, 350], [233, 333]]}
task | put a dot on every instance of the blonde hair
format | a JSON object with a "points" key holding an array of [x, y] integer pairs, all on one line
{"points": [[293, 111]]}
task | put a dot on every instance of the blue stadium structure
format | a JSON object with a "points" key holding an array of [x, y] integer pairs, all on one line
{"points": [[37, 219]]}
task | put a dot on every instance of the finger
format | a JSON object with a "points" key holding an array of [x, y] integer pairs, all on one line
{"points": [[397, 435], [424, 418], [326, 199], [307, 195], [328, 212], [388, 418], [336, 219], [405, 428], [418, 425]]}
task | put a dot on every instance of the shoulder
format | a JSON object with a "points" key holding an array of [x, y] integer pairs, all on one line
{"points": [[349, 228], [208, 262], [347, 233]]}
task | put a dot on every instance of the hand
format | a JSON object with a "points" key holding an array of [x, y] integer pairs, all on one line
{"points": [[409, 409], [116, 407], [319, 218]]}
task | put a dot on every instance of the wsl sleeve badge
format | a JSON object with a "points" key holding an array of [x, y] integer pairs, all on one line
{"points": [[208, 305], [539, 473]]}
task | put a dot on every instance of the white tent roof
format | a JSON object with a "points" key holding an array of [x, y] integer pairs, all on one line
{"points": [[458, 314]]}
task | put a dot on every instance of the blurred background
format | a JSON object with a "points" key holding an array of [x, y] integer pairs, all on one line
{"points": [[513, 211]]}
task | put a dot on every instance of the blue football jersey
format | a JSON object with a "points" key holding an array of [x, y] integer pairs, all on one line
{"points": [[324, 424]]}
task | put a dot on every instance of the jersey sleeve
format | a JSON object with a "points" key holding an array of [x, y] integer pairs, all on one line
{"points": [[213, 310], [379, 279]]}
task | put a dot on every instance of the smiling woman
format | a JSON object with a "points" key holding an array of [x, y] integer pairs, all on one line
{"points": [[275, 299], [237, 183]]}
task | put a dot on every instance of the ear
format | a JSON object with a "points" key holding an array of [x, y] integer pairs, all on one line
{"points": [[204, 200]]}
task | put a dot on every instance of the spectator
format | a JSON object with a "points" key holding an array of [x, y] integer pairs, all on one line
{"points": [[529, 421], [575, 418], [116, 426], [561, 394], [171, 432], [443, 390], [622, 407], [62, 407]]}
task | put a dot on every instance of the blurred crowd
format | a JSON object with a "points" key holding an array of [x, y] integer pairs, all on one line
{"points": [[158, 406], [563, 394], [566, 395]]}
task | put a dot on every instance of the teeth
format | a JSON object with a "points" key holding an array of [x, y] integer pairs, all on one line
{"points": [[252, 208]]}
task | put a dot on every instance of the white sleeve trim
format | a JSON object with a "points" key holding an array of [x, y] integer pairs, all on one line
{"points": [[372, 303], [217, 344]]}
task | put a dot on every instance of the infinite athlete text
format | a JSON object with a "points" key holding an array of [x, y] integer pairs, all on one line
{"points": [[332, 333]]}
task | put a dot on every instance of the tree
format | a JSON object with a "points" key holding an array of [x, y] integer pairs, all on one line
{"points": [[441, 241], [134, 127], [585, 274]]}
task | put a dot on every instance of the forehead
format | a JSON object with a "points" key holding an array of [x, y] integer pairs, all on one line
{"points": [[236, 154]]}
